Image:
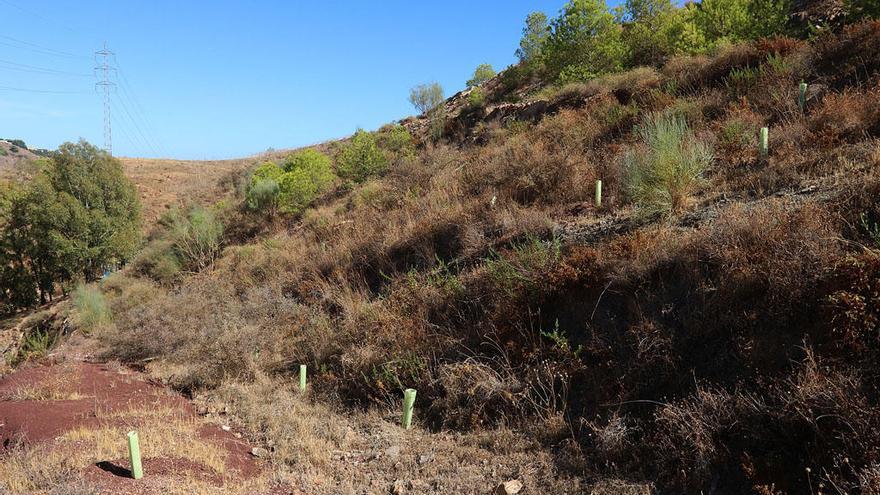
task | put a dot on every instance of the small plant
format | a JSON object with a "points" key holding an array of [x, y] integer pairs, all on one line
{"points": [[477, 97], [871, 228], [37, 343], [197, 238], [92, 310], [525, 266], [397, 142], [662, 174], [560, 341], [361, 158], [735, 134]]}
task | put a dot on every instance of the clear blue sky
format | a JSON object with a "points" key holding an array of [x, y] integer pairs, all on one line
{"points": [[225, 78]]}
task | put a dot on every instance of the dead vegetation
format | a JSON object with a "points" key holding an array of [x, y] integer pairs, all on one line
{"points": [[730, 347]]}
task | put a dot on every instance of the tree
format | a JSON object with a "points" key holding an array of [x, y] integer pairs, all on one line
{"points": [[655, 30], [585, 36], [737, 20], [426, 97], [93, 189], [482, 73], [534, 37], [361, 158], [78, 214]]}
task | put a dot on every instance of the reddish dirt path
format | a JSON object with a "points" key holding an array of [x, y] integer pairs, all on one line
{"points": [[40, 403]]}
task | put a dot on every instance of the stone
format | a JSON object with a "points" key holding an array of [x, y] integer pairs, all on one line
{"points": [[259, 452], [393, 452], [511, 487]]}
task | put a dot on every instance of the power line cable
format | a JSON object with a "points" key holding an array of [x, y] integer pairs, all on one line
{"points": [[31, 13], [43, 91], [39, 70], [119, 125], [47, 49], [128, 92], [35, 50], [137, 127]]}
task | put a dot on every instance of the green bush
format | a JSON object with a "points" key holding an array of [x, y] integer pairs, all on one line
{"points": [[397, 142], [197, 238], [290, 188], [477, 97], [661, 174], [361, 158], [309, 175], [159, 262], [264, 195], [482, 73], [92, 310]]}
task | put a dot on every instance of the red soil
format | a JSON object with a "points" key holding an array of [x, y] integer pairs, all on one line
{"points": [[103, 389]]}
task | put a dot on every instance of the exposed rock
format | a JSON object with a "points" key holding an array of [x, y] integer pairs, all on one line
{"points": [[511, 487], [259, 452]]}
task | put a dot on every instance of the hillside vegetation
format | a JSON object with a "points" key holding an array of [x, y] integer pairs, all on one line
{"points": [[711, 326]]}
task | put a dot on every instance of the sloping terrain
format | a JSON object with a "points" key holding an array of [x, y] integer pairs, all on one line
{"points": [[715, 334]]}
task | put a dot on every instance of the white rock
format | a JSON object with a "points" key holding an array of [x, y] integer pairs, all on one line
{"points": [[511, 487]]}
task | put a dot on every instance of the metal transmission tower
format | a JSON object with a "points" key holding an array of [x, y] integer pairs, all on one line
{"points": [[104, 70]]}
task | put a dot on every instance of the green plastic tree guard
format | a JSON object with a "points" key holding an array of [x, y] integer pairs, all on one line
{"points": [[802, 97], [598, 194], [409, 400], [134, 452], [302, 377], [764, 146]]}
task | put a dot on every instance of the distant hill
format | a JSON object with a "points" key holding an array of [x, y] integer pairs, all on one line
{"points": [[14, 156]]}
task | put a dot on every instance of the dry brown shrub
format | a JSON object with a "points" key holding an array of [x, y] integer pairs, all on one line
{"points": [[527, 171], [778, 249], [847, 116], [849, 58]]}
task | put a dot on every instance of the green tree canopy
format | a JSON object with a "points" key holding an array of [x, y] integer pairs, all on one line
{"points": [[482, 73], [77, 215], [585, 36], [534, 37]]}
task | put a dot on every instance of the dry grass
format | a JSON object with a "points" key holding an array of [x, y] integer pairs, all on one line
{"points": [[58, 386], [164, 432], [689, 341]]}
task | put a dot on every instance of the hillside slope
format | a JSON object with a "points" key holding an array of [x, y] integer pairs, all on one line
{"points": [[710, 327]]}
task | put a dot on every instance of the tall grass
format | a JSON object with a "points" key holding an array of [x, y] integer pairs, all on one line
{"points": [[663, 172], [92, 309]]}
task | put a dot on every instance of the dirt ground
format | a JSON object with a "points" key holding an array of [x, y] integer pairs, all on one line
{"points": [[71, 417]]}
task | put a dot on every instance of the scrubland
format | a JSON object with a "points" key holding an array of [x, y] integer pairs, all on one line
{"points": [[711, 327]]}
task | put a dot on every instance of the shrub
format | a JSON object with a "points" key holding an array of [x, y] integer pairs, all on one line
{"points": [[661, 175], [301, 179], [196, 238], [263, 195], [426, 97], [477, 97], [397, 142], [91, 306], [361, 158], [308, 174], [482, 73], [159, 262]]}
